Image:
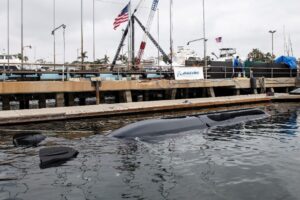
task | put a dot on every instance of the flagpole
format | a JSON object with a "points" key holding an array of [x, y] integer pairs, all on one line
{"points": [[130, 37]]}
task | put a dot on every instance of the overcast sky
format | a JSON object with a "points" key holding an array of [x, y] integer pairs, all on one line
{"points": [[243, 24]]}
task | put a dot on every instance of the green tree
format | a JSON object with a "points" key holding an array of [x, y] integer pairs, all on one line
{"points": [[102, 61], [258, 56], [83, 56], [25, 58]]}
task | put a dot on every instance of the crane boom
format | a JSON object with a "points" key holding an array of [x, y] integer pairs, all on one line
{"points": [[165, 57], [147, 29]]}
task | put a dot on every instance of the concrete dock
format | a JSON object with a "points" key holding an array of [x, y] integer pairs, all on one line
{"points": [[64, 113], [67, 93]]}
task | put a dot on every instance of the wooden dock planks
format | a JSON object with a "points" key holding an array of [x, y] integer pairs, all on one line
{"points": [[50, 114]]}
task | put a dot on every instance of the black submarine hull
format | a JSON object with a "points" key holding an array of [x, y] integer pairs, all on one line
{"points": [[163, 126]]}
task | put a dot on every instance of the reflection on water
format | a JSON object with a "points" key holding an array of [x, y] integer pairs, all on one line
{"points": [[253, 160]]}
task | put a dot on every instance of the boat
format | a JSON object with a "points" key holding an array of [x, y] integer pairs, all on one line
{"points": [[183, 54], [14, 60], [225, 55]]}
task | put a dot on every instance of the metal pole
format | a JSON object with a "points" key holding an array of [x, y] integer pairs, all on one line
{"points": [[34, 53], [82, 58], [272, 37], [132, 43], [130, 58], [158, 36], [94, 48], [272, 45], [204, 41], [63, 70], [54, 39], [7, 38], [22, 34], [171, 32]]}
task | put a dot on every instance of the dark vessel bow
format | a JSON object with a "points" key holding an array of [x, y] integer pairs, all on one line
{"points": [[28, 139], [54, 156]]}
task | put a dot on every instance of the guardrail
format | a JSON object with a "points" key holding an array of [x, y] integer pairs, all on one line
{"points": [[95, 70]]}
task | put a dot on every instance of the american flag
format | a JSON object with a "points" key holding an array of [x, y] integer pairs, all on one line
{"points": [[219, 39], [122, 17]]}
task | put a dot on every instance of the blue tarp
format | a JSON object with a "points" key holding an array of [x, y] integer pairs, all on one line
{"points": [[290, 61]]}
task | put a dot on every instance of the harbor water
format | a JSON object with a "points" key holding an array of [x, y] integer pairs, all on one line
{"points": [[252, 160]]}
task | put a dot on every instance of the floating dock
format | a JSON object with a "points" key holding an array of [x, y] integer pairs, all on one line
{"points": [[65, 113]]}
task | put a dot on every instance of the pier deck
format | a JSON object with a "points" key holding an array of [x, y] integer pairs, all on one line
{"points": [[35, 87], [144, 95]]}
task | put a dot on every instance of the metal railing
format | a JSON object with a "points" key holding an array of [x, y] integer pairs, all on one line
{"points": [[95, 70]]}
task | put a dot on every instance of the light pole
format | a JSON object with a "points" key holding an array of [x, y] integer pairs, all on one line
{"points": [[22, 34], [272, 33], [204, 41], [81, 24], [94, 48], [7, 42], [64, 48], [189, 42], [54, 45]]}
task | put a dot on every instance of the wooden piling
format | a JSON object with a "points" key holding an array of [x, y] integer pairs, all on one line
{"points": [[69, 99], [97, 85], [42, 101], [82, 101], [128, 96], [211, 92], [59, 99], [5, 103]]}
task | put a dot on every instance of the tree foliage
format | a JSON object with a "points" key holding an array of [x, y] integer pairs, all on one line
{"points": [[83, 56], [258, 56], [25, 58], [104, 60]]}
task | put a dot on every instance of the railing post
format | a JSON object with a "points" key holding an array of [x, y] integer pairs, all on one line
{"points": [[272, 71], [225, 71], [97, 85], [3, 72]]}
